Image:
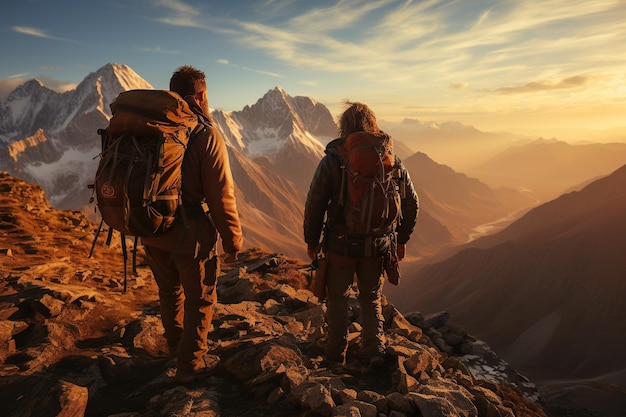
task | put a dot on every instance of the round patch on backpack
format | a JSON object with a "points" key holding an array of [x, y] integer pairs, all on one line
{"points": [[107, 190]]}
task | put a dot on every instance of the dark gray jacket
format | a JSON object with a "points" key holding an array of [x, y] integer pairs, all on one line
{"points": [[323, 199]]}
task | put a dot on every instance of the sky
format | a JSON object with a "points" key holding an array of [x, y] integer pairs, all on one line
{"points": [[545, 66]]}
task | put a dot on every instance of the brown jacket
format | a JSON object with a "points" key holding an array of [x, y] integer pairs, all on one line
{"points": [[206, 176]]}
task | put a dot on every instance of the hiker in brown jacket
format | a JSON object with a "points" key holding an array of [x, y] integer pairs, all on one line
{"points": [[184, 260]]}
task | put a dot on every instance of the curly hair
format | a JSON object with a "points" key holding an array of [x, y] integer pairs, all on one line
{"points": [[357, 117], [187, 81]]}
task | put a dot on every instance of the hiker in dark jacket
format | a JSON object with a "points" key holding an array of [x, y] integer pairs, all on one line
{"points": [[323, 216], [184, 260]]}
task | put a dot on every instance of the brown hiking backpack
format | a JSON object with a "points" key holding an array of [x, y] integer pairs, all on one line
{"points": [[138, 180]]}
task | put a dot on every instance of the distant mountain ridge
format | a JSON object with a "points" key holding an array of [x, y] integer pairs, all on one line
{"points": [[549, 167], [457, 202], [537, 290], [451, 143]]}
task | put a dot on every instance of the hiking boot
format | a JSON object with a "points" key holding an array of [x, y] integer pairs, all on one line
{"points": [[377, 362], [333, 362], [187, 376]]}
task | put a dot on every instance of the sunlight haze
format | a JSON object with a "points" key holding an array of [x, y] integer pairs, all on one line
{"points": [[532, 67]]}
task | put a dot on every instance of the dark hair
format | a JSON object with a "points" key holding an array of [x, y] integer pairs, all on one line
{"points": [[357, 117], [187, 81]]}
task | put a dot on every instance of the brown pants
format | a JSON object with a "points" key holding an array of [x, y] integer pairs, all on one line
{"points": [[370, 282], [187, 294]]}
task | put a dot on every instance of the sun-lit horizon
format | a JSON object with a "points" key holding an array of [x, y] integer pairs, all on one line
{"points": [[551, 69]]}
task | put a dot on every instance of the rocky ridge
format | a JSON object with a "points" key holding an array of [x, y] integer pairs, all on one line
{"points": [[73, 343]]}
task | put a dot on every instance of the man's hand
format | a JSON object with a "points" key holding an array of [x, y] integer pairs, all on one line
{"points": [[401, 251], [230, 258]]}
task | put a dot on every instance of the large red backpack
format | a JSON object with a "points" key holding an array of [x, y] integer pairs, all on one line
{"points": [[370, 193]]}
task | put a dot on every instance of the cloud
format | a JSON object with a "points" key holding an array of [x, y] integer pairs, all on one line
{"points": [[547, 85], [409, 49], [177, 6], [22, 75], [181, 14], [157, 49], [426, 42], [39, 33], [459, 86], [54, 84], [257, 71], [32, 32]]}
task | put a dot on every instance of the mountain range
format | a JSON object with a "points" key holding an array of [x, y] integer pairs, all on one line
{"points": [[548, 168], [451, 143], [537, 290], [50, 139], [274, 145]]}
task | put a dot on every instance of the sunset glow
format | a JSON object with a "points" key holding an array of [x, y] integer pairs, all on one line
{"points": [[521, 66]]}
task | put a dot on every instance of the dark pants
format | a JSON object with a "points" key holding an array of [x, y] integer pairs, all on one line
{"points": [[188, 295], [370, 282]]}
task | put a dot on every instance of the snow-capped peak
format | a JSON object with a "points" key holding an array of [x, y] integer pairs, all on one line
{"points": [[125, 76], [277, 122]]}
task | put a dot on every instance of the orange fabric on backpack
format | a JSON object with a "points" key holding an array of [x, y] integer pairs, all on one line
{"points": [[365, 152]]}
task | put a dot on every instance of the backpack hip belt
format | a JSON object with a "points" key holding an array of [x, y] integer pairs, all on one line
{"points": [[354, 246]]}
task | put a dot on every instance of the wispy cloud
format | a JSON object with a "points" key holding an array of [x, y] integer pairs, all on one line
{"points": [[547, 85], [459, 86], [423, 41], [413, 48], [59, 86], [21, 75], [257, 71], [31, 31], [181, 14], [40, 33], [157, 49]]}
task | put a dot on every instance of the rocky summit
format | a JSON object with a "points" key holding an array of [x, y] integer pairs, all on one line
{"points": [[74, 343]]}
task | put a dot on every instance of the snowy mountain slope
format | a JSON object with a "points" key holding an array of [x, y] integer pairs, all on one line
{"points": [[50, 138], [288, 130]]}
